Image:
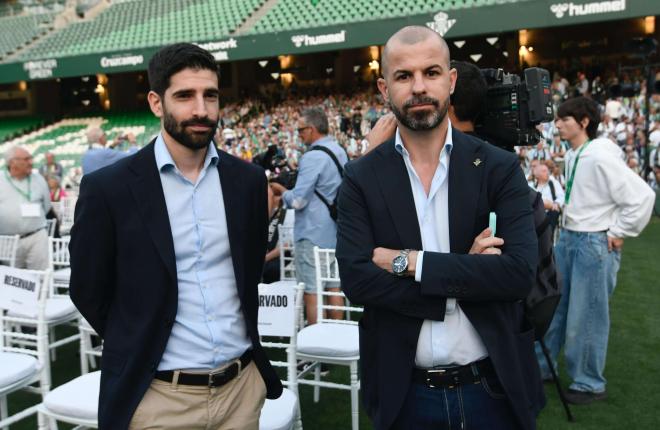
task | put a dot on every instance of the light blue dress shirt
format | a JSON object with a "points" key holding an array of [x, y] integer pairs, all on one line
{"points": [[209, 328], [316, 171], [454, 340]]}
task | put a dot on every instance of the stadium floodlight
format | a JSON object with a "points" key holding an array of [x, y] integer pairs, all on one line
{"points": [[356, 68], [492, 40], [459, 43], [263, 63], [275, 75]]}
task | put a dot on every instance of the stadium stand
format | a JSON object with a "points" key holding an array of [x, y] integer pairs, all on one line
{"points": [[141, 24], [12, 127], [67, 140], [297, 14], [17, 31]]}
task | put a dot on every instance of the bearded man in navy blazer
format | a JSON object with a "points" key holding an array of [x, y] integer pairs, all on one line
{"points": [[443, 340], [167, 249]]}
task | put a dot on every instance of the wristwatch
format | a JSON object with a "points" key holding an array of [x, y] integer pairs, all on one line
{"points": [[400, 263]]}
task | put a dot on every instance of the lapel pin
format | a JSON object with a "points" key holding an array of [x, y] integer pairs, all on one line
{"points": [[477, 162]]}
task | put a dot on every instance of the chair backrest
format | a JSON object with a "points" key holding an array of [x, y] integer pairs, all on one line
{"points": [[327, 276], [280, 303], [287, 266], [87, 348], [24, 291], [67, 208], [58, 253], [50, 226], [8, 247]]}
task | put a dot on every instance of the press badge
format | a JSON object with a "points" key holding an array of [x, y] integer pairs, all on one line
{"points": [[30, 210]]}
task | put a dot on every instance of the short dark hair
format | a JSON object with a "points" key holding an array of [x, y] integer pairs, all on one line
{"points": [[580, 108], [315, 116], [469, 95], [174, 58]]}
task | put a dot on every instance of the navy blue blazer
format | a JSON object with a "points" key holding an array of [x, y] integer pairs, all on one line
{"points": [[377, 209], [123, 270]]}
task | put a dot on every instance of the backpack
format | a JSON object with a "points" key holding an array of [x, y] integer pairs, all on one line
{"points": [[332, 207], [544, 296]]}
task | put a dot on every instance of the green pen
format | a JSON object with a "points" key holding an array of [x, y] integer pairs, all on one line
{"points": [[492, 223]]}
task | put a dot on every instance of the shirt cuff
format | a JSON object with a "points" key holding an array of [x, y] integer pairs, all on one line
{"points": [[418, 266]]}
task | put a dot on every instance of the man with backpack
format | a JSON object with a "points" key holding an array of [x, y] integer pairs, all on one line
{"points": [[313, 198]]}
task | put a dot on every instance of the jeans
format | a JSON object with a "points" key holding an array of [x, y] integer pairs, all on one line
{"points": [[582, 321], [481, 406]]}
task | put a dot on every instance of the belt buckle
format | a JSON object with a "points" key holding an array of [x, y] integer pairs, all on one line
{"points": [[438, 371], [222, 372]]}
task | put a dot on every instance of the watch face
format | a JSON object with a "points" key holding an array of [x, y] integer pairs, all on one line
{"points": [[399, 264]]}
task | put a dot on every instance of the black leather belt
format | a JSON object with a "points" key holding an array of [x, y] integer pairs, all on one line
{"points": [[23, 236], [212, 379], [452, 376]]}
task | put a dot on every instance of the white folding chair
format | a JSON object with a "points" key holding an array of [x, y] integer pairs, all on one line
{"points": [[24, 362], [59, 309], [8, 248], [67, 208], [76, 402], [59, 261], [331, 341], [280, 304], [286, 244], [50, 226]]}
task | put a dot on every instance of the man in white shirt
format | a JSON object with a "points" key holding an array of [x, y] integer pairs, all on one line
{"points": [[605, 202], [550, 189]]}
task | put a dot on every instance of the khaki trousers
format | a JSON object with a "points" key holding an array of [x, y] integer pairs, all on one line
{"points": [[235, 405], [32, 252]]}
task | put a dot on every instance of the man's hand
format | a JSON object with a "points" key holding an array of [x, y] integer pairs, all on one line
{"points": [[614, 243], [383, 130], [485, 244], [382, 257], [278, 189]]}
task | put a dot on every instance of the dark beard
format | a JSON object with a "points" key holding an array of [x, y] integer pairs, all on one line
{"points": [[421, 120], [194, 141]]}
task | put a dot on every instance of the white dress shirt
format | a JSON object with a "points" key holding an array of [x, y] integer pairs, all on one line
{"points": [[453, 341], [606, 195]]}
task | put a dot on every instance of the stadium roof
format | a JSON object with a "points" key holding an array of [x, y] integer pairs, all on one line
{"points": [[116, 41]]}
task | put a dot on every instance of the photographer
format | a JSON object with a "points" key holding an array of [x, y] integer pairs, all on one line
{"points": [[314, 192]]}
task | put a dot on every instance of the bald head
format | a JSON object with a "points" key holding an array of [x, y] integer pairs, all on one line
{"points": [[407, 36]]}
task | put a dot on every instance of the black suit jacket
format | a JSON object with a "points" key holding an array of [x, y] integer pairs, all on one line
{"points": [[377, 209], [123, 270]]}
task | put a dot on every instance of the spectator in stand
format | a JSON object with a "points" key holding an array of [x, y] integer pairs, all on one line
{"points": [[51, 167], [98, 156], [57, 193], [582, 86], [24, 203], [550, 189], [605, 202]]}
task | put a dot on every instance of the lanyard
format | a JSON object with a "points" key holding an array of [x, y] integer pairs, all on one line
{"points": [[27, 195], [569, 184]]}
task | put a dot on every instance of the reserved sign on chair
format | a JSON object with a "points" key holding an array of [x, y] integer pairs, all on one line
{"points": [[276, 308], [19, 290]]}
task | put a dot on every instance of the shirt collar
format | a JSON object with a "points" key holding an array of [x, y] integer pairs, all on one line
{"points": [[320, 140], [163, 157], [446, 149]]}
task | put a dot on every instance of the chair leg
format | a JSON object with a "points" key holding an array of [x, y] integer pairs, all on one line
{"points": [[355, 411], [4, 412], [51, 340], [84, 364], [317, 378]]}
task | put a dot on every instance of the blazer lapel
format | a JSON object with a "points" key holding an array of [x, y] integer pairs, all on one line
{"points": [[397, 192], [465, 170], [150, 199], [233, 196]]}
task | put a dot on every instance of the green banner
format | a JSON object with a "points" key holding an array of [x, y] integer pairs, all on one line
{"points": [[451, 24]]}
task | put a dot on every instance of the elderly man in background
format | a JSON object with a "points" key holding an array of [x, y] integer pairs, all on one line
{"points": [[50, 167], [24, 203], [98, 155]]}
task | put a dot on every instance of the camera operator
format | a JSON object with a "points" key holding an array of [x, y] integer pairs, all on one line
{"points": [[314, 192]]}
